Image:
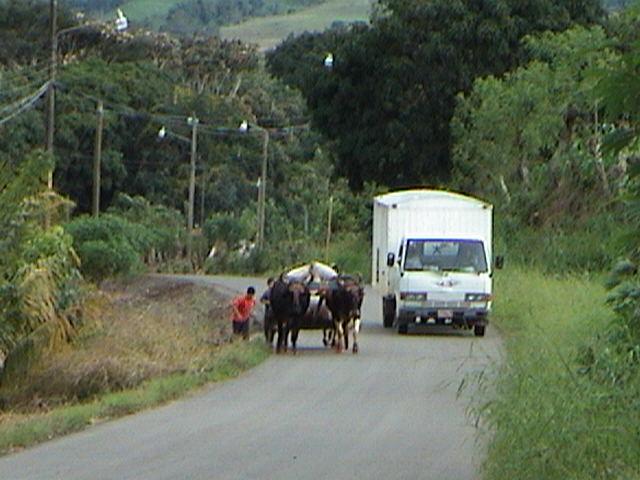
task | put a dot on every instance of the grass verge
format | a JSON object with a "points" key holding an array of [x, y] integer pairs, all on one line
{"points": [[547, 417], [19, 431]]}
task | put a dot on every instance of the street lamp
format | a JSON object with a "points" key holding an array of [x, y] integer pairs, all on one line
{"points": [[328, 61], [121, 23], [262, 182], [162, 133]]}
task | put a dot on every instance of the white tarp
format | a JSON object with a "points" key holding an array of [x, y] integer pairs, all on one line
{"points": [[312, 272]]}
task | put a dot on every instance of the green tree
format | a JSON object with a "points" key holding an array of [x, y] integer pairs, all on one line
{"points": [[530, 138], [24, 31], [39, 278], [388, 100], [620, 90]]}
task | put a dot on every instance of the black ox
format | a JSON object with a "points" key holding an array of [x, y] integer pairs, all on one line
{"points": [[289, 301], [344, 297]]}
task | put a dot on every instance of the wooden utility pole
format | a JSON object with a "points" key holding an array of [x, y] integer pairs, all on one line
{"points": [[329, 219], [262, 197], [97, 159], [202, 197], [51, 92], [193, 121]]}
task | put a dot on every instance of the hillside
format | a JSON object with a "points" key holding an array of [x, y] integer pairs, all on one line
{"points": [[267, 32], [263, 22]]}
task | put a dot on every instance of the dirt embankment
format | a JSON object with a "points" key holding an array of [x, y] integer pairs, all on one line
{"points": [[133, 331]]}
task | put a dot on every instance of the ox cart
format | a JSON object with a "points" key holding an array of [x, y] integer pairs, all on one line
{"points": [[312, 297]]}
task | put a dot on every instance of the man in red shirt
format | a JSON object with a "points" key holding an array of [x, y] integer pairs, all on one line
{"points": [[242, 307]]}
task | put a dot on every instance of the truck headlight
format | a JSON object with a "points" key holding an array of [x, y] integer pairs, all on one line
{"points": [[414, 296], [477, 297]]}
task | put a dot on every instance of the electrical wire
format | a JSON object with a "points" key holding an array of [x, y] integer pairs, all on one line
{"points": [[13, 74], [181, 120], [18, 103], [25, 104], [15, 91], [176, 121], [129, 111]]}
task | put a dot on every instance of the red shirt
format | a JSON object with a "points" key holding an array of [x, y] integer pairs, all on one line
{"points": [[243, 306]]}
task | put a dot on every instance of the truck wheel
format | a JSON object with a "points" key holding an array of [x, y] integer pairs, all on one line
{"points": [[478, 330], [403, 329]]}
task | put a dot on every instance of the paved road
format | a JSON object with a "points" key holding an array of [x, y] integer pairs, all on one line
{"points": [[390, 412]]}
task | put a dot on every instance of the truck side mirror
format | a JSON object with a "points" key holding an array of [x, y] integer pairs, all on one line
{"points": [[499, 262], [391, 259]]}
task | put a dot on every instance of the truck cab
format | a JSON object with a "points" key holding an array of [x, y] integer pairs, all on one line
{"points": [[439, 281], [432, 259]]}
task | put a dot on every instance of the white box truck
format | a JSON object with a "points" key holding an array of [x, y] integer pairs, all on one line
{"points": [[432, 259]]}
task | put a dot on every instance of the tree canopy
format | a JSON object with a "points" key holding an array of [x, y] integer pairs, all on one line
{"points": [[389, 98], [530, 139]]}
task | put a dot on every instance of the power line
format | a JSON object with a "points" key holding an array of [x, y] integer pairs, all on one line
{"points": [[18, 103], [182, 120], [13, 74], [129, 111], [15, 91], [25, 104]]}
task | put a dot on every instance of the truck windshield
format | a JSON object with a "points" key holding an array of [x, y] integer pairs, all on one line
{"points": [[445, 255]]}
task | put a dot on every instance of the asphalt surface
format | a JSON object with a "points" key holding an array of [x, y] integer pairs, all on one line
{"points": [[393, 411]]}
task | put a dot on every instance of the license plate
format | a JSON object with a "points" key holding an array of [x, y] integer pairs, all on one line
{"points": [[445, 313]]}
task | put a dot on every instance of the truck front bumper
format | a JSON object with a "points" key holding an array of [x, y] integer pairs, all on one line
{"points": [[459, 317]]}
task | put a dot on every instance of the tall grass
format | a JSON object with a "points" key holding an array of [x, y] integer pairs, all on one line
{"points": [[590, 245], [548, 419], [23, 430]]}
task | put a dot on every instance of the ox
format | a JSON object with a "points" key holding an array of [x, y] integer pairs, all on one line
{"points": [[289, 301], [344, 298]]}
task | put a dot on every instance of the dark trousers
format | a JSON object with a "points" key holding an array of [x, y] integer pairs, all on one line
{"points": [[241, 327]]}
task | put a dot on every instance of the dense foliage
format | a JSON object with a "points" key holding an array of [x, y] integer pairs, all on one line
{"points": [[620, 90], [565, 399], [388, 100], [145, 81], [531, 105], [530, 142], [148, 81], [39, 278]]}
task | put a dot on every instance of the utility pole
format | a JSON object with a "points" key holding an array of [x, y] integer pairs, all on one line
{"points": [[51, 94], [202, 198], [263, 189], [97, 159], [193, 121], [329, 220]]}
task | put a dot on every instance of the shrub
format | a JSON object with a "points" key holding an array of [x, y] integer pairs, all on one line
{"points": [[164, 226], [590, 246], [102, 259], [227, 229], [109, 245]]}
